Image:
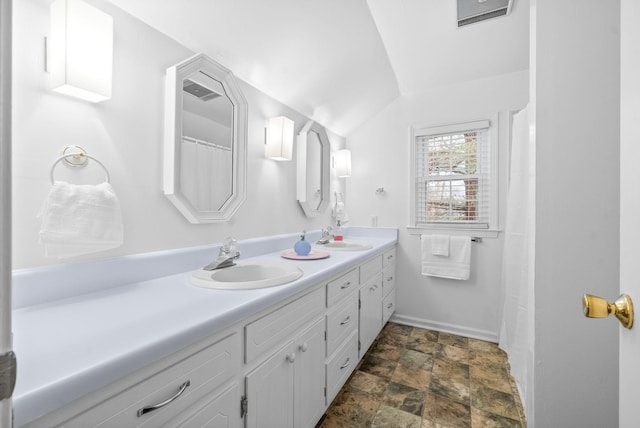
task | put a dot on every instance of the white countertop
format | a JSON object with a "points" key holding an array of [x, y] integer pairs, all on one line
{"points": [[108, 320]]}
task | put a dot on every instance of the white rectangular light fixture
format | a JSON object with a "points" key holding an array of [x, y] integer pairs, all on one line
{"points": [[342, 163], [80, 50], [279, 139]]}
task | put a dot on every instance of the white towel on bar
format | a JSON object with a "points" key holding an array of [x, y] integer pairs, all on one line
{"points": [[80, 219], [457, 265], [440, 245]]}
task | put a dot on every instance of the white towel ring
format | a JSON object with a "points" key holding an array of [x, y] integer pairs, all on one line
{"points": [[106, 172]]}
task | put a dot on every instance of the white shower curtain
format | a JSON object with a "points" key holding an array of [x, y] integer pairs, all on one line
{"points": [[205, 174], [516, 329]]}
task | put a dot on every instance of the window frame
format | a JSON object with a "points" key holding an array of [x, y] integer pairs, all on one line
{"points": [[488, 229]]}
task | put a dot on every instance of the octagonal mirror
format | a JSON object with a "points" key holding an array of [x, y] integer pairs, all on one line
{"points": [[313, 149], [205, 140]]}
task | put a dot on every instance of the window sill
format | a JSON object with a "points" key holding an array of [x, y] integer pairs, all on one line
{"points": [[467, 231]]}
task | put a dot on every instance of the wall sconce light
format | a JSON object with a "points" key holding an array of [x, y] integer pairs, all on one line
{"points": [[80, 50], [342, 163], [279, 139]]}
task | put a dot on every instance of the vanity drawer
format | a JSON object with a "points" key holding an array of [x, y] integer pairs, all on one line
{"points": [[204, 370], [222, 407], [388, 279], [279, 325], [389, 257], [341, 365], [388, 306], [340, 287], [341, 322], [370, 268]]}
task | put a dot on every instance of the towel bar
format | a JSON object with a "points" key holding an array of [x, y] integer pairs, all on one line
{"points": [[80, 155], [477, 239]]}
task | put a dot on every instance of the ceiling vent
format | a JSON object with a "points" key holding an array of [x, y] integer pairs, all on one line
{"points": [[197, 90], [470, 11]]}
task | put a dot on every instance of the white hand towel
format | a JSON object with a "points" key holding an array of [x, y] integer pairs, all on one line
{"points": [[455, 266], [440, 245], [80, 219]]}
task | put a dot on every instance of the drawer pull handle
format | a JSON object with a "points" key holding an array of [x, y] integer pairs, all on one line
{"points": [[347, 320], [390, 305], [181, 391], [346, 364], [390, 278], [345, 285], [303, 347], [390, 256]]}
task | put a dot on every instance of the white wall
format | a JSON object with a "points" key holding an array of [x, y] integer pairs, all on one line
{"points": [[576, 102], [125, 133], [380, 157]]}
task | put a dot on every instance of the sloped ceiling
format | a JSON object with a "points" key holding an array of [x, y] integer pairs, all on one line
{"points": [[426, 48], [341, 61]]}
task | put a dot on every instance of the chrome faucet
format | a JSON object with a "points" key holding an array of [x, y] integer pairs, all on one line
{"points": [[226, 256], [327, 234]]}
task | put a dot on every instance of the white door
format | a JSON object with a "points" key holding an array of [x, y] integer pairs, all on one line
{"points": [[5, 197], [630, 208]]}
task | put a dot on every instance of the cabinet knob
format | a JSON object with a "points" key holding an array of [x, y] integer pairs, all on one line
{"points": [[291, 357], [303, 347]]}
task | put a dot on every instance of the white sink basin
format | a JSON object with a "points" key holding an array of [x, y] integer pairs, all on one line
{"points": [[246, 276], [345, 246]]}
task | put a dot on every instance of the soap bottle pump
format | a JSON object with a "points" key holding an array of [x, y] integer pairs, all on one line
{"points": [[337, 233]]}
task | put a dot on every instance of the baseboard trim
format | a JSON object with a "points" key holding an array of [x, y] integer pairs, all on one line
{"points": [[473, 333]]}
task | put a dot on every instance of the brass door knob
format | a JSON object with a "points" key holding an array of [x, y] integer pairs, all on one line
{"points": [[597, 307]]}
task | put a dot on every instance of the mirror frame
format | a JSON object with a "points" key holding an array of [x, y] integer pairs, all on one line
{"points": [[301, 168], [173, 137]]}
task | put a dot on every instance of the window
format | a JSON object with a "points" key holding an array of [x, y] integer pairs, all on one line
{"points": [[453, 179]]}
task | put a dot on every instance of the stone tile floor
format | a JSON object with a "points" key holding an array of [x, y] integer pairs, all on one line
{"points": [[417, 378]]}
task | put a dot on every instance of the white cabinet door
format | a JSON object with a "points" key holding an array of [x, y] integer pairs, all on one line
{"points": [[370, 312], [270, 391], [309, 376], [287, 390]]}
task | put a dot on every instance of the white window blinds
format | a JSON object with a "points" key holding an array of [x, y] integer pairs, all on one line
{"points": [[453, 175]]}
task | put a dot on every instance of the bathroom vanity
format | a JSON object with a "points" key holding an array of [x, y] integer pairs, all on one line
{"points": [[110, 344]]}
